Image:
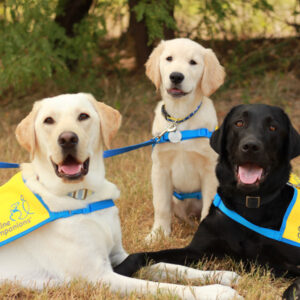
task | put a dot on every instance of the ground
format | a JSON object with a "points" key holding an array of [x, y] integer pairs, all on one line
{"points": [[136, 99]]}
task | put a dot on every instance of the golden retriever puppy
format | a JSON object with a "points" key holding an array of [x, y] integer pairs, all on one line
{"points": [[65, 235], [186, 74]]}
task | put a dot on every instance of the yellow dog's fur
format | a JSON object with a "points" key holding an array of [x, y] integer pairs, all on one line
{"points": [[187, 166]]}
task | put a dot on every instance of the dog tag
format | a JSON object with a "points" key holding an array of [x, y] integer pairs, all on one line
{"points": [[175, 136]]}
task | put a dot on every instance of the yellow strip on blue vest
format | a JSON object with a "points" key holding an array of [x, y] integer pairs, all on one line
{"points": [[20, 209], [292, 228]]}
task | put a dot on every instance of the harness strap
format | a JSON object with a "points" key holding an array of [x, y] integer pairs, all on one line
{"points": [[99, 205], [182, 196], [188, 135]]}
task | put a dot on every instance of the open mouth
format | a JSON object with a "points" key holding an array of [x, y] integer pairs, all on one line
{"points": [[176, 92], [250, 174], [71, 168]]}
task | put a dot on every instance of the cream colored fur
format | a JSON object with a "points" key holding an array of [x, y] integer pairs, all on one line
{"points": [[82, 246], [187, 166]]}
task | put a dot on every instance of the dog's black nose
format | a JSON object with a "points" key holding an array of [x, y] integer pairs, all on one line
{"points": [[251, 147], [176, 77], [68, 139]]}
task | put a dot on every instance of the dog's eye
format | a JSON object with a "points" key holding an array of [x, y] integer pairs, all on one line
{"points": [[49, 121], [83, 116], [192, 62], [169, 58], [239, 123], [272, 128]]}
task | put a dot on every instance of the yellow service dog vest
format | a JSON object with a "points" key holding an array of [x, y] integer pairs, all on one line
{"points": [[289, 232], [22, 211]]}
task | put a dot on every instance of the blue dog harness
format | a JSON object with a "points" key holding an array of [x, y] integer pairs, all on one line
{"points": [[289, 232], [187, 135], [22, 211]]}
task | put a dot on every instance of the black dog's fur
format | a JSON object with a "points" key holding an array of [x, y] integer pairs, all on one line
{"points": [[271, 142]]}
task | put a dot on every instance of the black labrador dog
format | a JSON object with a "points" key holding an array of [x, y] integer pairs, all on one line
{"points": [[255, 144]]}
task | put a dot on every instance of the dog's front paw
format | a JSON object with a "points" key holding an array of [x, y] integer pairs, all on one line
{"points": [[216, 292], [157, 234], [227, 277]]}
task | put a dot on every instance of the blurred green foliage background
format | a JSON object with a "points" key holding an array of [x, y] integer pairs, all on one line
{"points": [[75, 43]]}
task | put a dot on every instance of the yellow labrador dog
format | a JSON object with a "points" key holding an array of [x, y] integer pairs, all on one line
{"points": [[186, 74], [65, 136]]}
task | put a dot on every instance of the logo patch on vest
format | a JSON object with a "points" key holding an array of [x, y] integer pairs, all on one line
{"points": [[20, 210]]}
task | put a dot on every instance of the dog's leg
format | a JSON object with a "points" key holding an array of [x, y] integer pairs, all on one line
{"points": [[164, 270], [118, 254], [125, 285], [209, 185], [162, 201], [183, 256]]}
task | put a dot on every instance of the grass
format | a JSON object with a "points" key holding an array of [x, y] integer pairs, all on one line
{"points": [[136, 99]]}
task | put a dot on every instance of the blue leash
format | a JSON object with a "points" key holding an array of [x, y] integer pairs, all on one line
{"points": [[6, 165], [162, 138]]}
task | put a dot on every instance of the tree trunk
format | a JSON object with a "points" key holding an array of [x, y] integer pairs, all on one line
{"points": [[71, 12], [169, 33], [138, 31]]}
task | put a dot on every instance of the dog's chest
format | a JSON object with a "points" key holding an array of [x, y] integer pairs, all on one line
{"points": [[98, 230], [185, 162]]}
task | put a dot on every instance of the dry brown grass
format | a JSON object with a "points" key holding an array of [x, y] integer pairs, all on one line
{"points": [[131, 172]]}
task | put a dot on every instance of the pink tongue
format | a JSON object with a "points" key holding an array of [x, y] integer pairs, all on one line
{"points": [[71, 169], [249, 174], [176, 91]]}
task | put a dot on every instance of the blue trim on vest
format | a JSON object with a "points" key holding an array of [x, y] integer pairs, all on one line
{"points": [[269, 233], [91, 207], [182, 196]]}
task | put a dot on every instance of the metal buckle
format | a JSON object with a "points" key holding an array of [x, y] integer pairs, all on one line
{"points": [[252, 202], [171, 128]]}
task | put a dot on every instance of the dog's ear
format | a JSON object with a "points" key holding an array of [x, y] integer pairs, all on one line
{"points": [[213, 74], [25, 131], [294, 142], [152, 65], [110, 120], [218, 138]]}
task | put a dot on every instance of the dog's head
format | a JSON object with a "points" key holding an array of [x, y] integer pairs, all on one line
{"points": [[255, 143], [65, 136], [182, 67]]}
